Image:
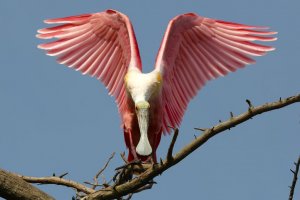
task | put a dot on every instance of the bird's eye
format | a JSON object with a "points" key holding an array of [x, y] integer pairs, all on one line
{"points": [[136, 108]]}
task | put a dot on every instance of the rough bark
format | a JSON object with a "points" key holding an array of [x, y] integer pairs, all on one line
{"points": [[14, 187]]}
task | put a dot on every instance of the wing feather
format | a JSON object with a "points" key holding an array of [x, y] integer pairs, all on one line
{"points": [[100, 44], [114, 73], [195, 50]]}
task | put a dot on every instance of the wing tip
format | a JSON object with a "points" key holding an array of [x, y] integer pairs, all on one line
{"points": [[38, 35], [40, 30], [274, 39], [40, 46], [234, 25], [44, 46], [70, 19], [273, 33], [43, 36], [268, 39], [49, 21], [272, 49]]}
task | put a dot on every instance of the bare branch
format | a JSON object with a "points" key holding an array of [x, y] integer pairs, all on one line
{"points": [[123, 157], [128, 186], [231, 114], [295, 173], [57, 181], [249, 103], [200, 129], [13, 187], [63, 175], [96, 182], [171, 147], [142, 180]]}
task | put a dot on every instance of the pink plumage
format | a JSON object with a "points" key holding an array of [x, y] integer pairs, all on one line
{"points": [[194, 50]]}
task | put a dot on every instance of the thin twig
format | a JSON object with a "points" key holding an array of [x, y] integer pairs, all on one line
{"points": [[123, 157], [249, 103], [96, 182], [63, 175], [92, 184], [294, 179], [171, 147], [200, 129], [57, 181]]}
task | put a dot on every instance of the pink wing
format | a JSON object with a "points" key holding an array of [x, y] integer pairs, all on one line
{"points": [[195, 50], [101, 45]]}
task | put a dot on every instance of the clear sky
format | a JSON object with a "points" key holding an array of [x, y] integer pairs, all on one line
{"points": [[53, 119]]}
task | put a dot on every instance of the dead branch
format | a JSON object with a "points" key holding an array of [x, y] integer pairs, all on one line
{"points": [[295, 174], [142, 180], [13, 187], [96, 182], [57, 181], [147, 172], [171, 147]]}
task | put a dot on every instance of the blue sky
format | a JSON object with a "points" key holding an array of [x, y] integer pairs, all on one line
{"points": [[53, 119]]}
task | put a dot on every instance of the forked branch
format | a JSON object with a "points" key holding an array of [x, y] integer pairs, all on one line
{"points": [[295, 178], [151, 172]]}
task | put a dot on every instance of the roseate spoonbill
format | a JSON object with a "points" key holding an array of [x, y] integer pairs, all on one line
{"points": [[193, 51]]}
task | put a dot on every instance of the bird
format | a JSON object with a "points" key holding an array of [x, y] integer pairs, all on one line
{"points": [[194, 50]]}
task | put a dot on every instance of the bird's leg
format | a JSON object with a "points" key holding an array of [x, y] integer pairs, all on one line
{"points": [[156, 143], [153, 158], [132, 150], [132, 155]]}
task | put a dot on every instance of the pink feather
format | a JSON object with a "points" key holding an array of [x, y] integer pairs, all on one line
{"points": [[195, 50], [101, 44]]}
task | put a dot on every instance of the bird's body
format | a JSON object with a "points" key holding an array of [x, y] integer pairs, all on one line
{"points": [[142, 88], [194, 50]]}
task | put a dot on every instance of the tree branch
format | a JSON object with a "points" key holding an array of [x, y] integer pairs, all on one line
{"points": [[14, 187], [57, 181], [295, 173], [155, 170], [171, 147], [146, 172], [96, 182]]}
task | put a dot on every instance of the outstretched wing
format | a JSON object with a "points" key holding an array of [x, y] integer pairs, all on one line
{"points": [[195, 50], [100, 44]]}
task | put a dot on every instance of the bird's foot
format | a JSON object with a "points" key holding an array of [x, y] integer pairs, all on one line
{"points": [[125, 172], [149, 160], [128, 164]]}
